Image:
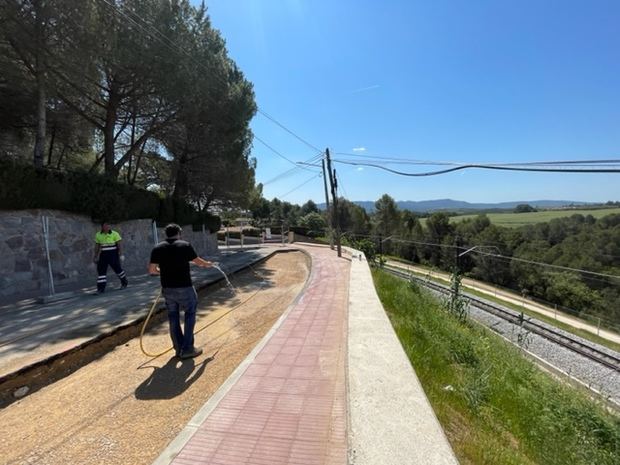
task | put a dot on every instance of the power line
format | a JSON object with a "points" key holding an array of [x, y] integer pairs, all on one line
{"points": [[583, 276], [479, 166], [309, 164], [271, 118], [414, 161], [280, 155], [292, 171], [396, 159], [341, 185], [565, 268], [301, 185], [280, 176], [383, 161], [505, 257]]}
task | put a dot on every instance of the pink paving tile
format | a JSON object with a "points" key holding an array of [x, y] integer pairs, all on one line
{"points": [[271, 349], [337, 455], [279, 371], [281, 425], [313, 428], [300, 330], [308, 453], [310, 348], [318, 405], [270, 385], [295, 341], [234, 450], [271, 450], [278, 339], [257, 370], [285, 359], [191, 461], [249, 422], [265, 358], [235, 399], [289, 405], [303, 373], [221, 419], [248, 382], [290, 350], [307, 360], [295, 386], [315, 335], [262, 401]]}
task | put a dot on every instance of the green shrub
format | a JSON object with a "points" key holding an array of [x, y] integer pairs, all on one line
{"points": [[24, 187]]}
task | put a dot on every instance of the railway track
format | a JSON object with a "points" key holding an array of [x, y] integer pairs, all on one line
{"points": [[586, 350]]}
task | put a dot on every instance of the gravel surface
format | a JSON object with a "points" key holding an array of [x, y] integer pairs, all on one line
{"points": [[124, 408], [592, 374]]}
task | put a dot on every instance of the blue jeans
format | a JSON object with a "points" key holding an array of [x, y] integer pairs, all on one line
{"points": [[178, 298]]}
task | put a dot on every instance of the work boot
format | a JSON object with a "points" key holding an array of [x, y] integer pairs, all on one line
{"points": [[190, 353]]}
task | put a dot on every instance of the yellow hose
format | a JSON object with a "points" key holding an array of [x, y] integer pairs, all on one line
{"points": [[148, 317]]}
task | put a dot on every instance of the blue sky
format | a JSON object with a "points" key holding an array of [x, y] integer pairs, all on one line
{"points": [[460, 80]]}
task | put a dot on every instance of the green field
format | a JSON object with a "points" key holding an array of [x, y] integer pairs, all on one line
{"points": [[514, 220]]}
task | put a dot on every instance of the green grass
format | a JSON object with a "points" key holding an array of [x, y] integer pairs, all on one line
{"points": [[539, 316], [514, 220], [500, 409]]}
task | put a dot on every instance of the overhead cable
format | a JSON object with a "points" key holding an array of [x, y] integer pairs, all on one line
{"points": [[301, 185], [480, 166]]}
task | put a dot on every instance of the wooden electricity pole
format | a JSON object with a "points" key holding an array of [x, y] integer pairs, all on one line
{"points": [[334, 188], [329, 228]]}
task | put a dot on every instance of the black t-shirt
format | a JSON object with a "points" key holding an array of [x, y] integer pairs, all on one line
{"points": [[173, 257]]}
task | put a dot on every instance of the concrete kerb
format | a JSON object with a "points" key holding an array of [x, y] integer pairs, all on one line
{"points": [[391, 420], [177, 444]]}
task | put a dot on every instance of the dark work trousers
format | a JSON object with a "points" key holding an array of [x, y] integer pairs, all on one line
{"points": [[109, 257], [177, 299]]}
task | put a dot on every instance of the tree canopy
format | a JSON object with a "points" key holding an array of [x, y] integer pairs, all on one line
{"points": [[142, 91]]}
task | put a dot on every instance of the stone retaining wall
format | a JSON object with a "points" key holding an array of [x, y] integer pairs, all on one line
{"points": [[23, 262]]}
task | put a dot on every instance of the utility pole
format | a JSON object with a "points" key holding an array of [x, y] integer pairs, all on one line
{"points": [[333, 185], [456, 278], [329, 229], [457, 255]]}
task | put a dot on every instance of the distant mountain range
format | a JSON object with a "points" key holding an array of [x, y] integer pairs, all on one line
{"points": [[459, 205]]}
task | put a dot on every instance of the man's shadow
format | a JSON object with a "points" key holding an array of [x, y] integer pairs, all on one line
{"points": [[172, 379]]}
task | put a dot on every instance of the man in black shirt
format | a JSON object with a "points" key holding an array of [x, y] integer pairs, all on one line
{"points": [[170, 259]]}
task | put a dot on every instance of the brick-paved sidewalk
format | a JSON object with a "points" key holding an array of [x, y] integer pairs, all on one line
{"points": [[289, 406]]}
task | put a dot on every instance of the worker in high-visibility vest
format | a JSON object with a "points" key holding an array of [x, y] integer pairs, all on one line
{"points": [[108, 251]]}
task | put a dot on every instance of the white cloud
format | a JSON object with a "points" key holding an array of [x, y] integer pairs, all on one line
{"points": [[365, 89], [360, 168], [359, 149]]}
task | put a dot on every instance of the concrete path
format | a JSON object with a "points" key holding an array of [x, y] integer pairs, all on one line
{"points": [[304, 397], [286, 404]]}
